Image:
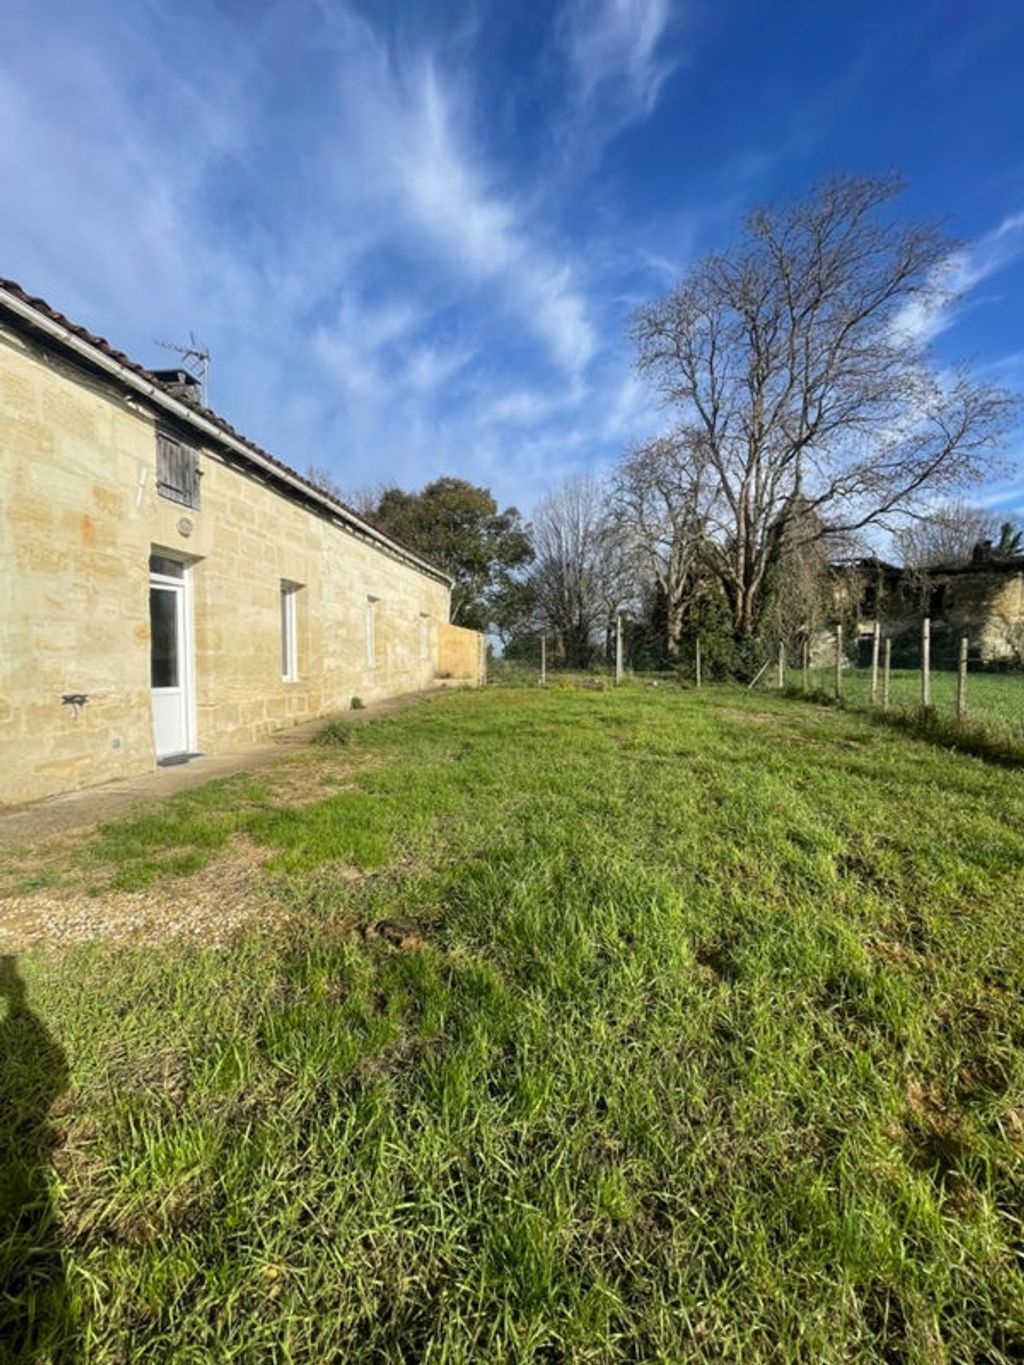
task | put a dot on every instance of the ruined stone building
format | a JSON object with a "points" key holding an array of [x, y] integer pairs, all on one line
{"points": [[982, 599], [166, 586]]}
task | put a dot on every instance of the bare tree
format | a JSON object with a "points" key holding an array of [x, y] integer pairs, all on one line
{"points": [[579, 568], [945, 535], [367, 499], [323, 478], [800, 383], [656, 501]]}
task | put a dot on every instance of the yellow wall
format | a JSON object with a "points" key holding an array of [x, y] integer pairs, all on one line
{"points": [[461, 655], [79, 516]]}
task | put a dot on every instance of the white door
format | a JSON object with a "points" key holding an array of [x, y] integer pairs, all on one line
{"points": [[170, 662]]}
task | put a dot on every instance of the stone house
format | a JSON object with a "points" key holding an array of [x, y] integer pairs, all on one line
{"points": [[982, 599], [166, 586]]}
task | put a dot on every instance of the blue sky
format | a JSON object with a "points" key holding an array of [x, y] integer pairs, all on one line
{"points": [[412, 234]]}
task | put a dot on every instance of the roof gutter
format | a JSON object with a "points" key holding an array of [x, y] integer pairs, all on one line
{"points": [[162, 399]]}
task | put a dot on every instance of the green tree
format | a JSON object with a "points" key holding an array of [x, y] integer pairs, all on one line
{"points": [[457, 526], [1010, 539], [514, 609]]}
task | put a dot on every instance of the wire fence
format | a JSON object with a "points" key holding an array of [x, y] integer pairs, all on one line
{"points": [[993, 698], [972, 692], [859, 673]]}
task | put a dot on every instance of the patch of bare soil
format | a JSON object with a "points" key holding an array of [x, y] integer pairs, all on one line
{"points": [[208, 907], [306, 782]]}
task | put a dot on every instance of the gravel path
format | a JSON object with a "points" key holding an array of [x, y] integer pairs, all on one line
{"points": [[38, 842], [209, 906]]}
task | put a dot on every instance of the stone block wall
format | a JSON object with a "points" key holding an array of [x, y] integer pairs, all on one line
{"points": [[79, 517], [983, 601]]}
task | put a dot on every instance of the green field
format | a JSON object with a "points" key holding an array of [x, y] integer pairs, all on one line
{"points": [[994, 699], [593, 1026]]}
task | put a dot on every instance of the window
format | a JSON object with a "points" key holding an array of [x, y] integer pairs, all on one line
{"points": [[289, 641], [164, 642], [169, 568], [177, 471], [371, 629], [424, 636]]}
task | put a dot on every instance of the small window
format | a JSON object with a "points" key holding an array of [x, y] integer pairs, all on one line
{"points": [[289, 640], [371, 632], [424, 636], [177, 471], [166, 567]]}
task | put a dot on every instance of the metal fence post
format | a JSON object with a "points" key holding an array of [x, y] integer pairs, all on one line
{"points": [[887, 674], [618, 648], [697, 668], [807, 663], [543, 660], [782, 666], [926, 663]]}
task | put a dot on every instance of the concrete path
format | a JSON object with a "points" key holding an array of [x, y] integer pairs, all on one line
{"points": [[21, 826]]}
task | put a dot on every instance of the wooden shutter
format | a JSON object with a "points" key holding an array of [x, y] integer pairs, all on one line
{"points": [[177, 471]]}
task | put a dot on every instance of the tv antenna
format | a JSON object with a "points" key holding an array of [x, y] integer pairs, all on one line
{"points": [[196, 360]]}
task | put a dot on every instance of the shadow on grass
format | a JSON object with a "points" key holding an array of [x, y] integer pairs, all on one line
{"points": [[972, 737], [35, 1322]]}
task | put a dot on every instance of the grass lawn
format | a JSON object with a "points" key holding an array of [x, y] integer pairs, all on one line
{"points": [[993, 699], [592, 1026]]}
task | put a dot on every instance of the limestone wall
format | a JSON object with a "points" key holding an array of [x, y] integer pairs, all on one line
{"points": [[990, 610], [985, 602], [461, 655], [79, 517]]}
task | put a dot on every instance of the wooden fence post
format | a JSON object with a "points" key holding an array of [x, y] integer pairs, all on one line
{"points": [[961, 680], [618, 648], [926, 663], [782, 666], [698, 664], [543, 660], [887, 673], [839, 663], [875, 641]]}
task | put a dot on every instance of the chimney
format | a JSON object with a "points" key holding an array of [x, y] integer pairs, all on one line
{"points": [[181, 384]]}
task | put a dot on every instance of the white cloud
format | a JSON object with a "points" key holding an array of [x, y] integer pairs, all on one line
{"points": [[923, 319], [483, 232], [353, 345], [430, 366], [615, 48], [380, 296]]}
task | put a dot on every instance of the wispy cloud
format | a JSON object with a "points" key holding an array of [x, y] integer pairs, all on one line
{"points": [[485, 231], [618, 56], [379, 292], [925, 318]]}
